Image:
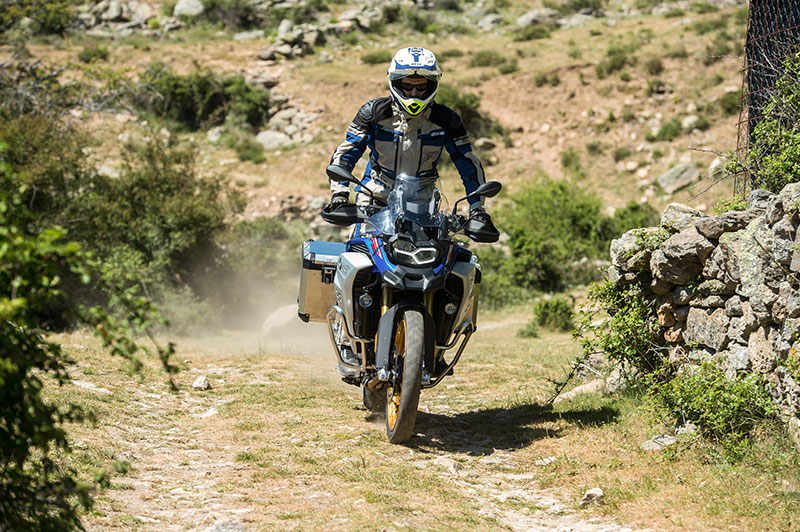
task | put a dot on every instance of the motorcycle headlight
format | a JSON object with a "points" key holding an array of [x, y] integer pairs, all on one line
{"points": [[404, 252]]}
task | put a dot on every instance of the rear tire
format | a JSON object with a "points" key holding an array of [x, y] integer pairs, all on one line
{"points": [[402, 400]]}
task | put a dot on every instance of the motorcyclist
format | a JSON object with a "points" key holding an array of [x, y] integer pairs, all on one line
{"points": [[406, 133]]}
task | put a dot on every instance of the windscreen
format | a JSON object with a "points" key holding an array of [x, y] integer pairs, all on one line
{"points": [[413, 198]]}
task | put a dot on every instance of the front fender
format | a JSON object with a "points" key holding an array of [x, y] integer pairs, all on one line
{"points": [[386, 329]]}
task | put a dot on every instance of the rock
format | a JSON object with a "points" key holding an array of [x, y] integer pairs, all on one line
{"points": [[758, 200], [592, 496], [729, 244], [715, 287], [716, 169], [756, 267], [484, 143], [689, 122], [678, 177], [793, 427], [674, 334], [574, 21], [682, 313], [491, 21], [545, 461], [114, 11], [661, 287], [141, 12], [632, 251], [215, 134], [659, 442], [680, 258], [733, 307], [760, 350], [188, 8], [708, 302], [788, 303], [449, 464], [712, 227], [201, 383], [537, 16], [284, 28], [687, 429], [683, 295], [267, 81], [678, 217], [738, 358], [706, 327], [790, 198], [273, 140], [267, 54], [248, 35]]}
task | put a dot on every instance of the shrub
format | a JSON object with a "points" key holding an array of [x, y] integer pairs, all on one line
{"points": [[531, 330], [654, 66], [629, 336], [550, 225], [249, 149], [93, 52], [451, 52], [573, 6], [716, 51], [540, 79], [554, 313], [677, 52], [730, 103], [467, 106], [571, 162], [737, 203], [725, 410], [674, 13], [233, 14], [200, 99], [631, 216], [594, 148], [617, 58], [707, 26], [529, 33], [378, 57], [485, 58], [508, 68], [702, 7], [621, 153], [669, 130]]}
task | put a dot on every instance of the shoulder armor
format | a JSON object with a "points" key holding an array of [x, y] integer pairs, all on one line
{"points": [[373, 111]]}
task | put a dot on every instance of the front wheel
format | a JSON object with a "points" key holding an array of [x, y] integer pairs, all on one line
{"points": [[402, 397]]}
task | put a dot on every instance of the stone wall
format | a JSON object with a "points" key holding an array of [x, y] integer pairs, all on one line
{"points": [[725, 288]]}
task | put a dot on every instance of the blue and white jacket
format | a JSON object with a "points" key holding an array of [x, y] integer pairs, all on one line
{"points": [[404, 144]]}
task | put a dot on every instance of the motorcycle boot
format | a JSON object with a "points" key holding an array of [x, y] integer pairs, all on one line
{"points": [[480, 227]]}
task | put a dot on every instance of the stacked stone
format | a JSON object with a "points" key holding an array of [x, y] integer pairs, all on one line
{"points": [[725, 288]]}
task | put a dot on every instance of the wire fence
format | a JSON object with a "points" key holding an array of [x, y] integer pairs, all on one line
{"points": [[773, 33]]}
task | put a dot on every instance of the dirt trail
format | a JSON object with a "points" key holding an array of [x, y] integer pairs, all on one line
{"points": [[280, 443]]}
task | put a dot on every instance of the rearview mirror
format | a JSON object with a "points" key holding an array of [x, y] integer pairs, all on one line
{"points": [[486, 190], [338, 174]]}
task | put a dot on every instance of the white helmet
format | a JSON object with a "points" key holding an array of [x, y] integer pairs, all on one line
{"points": [[417, 63]]}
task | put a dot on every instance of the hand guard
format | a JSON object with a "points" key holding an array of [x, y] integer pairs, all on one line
{"points": [[338, 199]]}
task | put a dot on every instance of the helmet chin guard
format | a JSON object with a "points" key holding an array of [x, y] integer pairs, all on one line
{"points": [[413, 62]]}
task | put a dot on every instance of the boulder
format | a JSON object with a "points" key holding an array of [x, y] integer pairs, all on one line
{"points": [[758, 200], [737, 358], [273, 140], [485, 143], [114, 11], [284, 28], [760, 350], [631, 252], [491, 21], [682, 295], [787, 305], [188, 8], [680, 258], [790, 198], [679, 217], [141, 12], [755, 263], [678, 177], [248, 35], [537, 16], [713, 226], [706, 327]]}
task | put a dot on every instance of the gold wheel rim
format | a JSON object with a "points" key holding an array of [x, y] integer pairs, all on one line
{"points": [[393, 404]]}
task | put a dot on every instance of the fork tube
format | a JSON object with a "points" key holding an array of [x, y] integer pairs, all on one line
{"points": [[429, 302], [387, 299]]}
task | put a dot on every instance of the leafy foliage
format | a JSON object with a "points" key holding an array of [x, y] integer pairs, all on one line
{"points": [[629, 334], [200, 99], [467, 105], [726, 410], [529, 33], [377, 58], [554, 313]]}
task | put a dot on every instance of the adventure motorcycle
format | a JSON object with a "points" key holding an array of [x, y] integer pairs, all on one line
{"points": [[398, 295]]}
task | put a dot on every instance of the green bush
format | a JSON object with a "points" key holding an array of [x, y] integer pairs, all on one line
{"points": [[669, 130], [554, 313], [529, 33], [93, 52], [200, 99], [677, 52], [621, 154], [550, 225], [571, 162], [484, 58], [629, 335], [725, 410], [508, 68], [379, 57], [707, 26], [448, 5], [730, 103], [594, 148], [233, 14], [467, 106], [737, 203], [451, 52], [654, 66], [617, 58], [249, 149], [674, 13], [631, 216], [702, 7], [716, 51], [573, 6]]}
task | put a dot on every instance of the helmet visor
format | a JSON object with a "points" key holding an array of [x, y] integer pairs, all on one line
{"points": [[418, 90]]}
